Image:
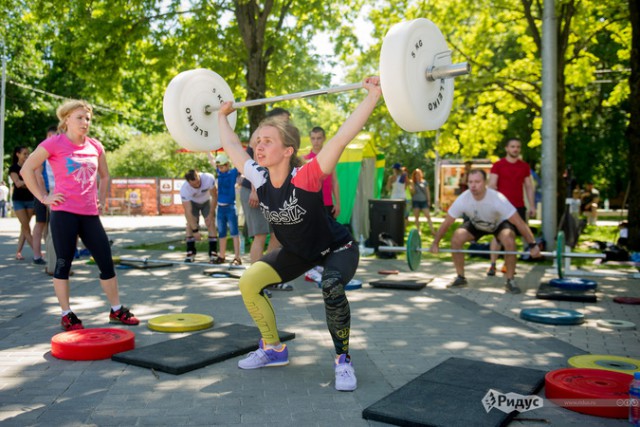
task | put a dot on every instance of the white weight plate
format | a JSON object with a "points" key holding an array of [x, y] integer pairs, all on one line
{"points": [[169, 105], [408, 50], [184, 104], [616, 324]]}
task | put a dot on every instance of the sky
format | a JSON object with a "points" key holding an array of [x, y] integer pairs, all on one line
{"points": [[322, 45]]}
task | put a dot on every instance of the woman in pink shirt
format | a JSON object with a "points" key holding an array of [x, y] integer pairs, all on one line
{"points": [[77, 161]]}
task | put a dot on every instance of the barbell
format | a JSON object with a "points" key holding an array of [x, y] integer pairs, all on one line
{"points": [[414, 251], [416, 78]]}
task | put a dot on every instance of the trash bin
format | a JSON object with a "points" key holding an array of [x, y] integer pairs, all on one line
{"points": [[386, 216]]}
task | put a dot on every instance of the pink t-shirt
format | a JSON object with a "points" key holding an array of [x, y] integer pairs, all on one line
{"points": [[75, 168], [327, 184]]}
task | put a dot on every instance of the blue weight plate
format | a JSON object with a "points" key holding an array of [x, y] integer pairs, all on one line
{"points": [[552, 316], [353, 284], [573, 283]]}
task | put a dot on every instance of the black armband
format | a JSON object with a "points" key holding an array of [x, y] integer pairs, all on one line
{"points": [[195, 230], [531, 246]]}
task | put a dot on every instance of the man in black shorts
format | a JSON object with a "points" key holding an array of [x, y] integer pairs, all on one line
{"points": [[200, 197], [489, 212]]}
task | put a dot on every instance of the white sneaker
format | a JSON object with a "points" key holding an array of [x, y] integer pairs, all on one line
{"points": [[264, 358], [345, 374]]}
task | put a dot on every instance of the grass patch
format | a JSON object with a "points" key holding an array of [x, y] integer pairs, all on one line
{"points": [[180, 246], [586, 244]]}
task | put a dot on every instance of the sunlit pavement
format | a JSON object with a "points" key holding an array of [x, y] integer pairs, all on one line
{"points": [[396, 336]]}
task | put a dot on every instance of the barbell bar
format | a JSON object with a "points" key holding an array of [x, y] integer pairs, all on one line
{"points": [[431, 74], [416, 78], [414, 251]]}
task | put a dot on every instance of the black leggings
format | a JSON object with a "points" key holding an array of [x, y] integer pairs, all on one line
{"points": [[65, 228]]}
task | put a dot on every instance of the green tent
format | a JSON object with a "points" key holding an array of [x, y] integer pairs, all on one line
{"points": [[360, 173]]}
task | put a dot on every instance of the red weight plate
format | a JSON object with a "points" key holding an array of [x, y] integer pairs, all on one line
{"points": [[590, 391], [91, 344], [389, 272], [627, 300]]}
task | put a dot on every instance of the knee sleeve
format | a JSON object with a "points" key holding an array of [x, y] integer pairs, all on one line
{"points": [[213, 246], [191, 245]]}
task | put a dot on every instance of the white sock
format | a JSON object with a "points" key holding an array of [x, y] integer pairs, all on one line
{"points": [[116, 307], [65, 312], [273, 347]]}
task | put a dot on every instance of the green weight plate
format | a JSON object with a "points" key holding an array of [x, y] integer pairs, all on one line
{"points": [[414, 252], [183, 322], [559, 252]]}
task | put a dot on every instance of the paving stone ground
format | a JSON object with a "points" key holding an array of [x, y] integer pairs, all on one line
{"points": [[396, 336]]}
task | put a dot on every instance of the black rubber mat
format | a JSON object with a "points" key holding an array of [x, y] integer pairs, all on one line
{"points": [[456, 393], [400, 284], [546, 291], [198, 350], [143, 266]]}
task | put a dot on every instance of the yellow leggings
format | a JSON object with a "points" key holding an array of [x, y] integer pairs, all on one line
{"points": [[252, 282]]}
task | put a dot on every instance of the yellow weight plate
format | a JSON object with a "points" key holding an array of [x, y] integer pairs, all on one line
{"points": [[606, 362], [182, 322]]}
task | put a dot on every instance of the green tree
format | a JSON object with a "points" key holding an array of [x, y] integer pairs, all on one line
{"points": [[633, 131], [154, 155], [502, 96]]}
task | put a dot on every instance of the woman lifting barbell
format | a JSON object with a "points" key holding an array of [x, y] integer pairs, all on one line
{"points": [[290, 197]]}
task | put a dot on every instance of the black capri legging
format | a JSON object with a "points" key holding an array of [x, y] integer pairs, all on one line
{"points": [[65, 228]]}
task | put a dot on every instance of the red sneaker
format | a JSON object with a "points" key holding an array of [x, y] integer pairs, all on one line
{"points": [[70, 322], [123, 316]]}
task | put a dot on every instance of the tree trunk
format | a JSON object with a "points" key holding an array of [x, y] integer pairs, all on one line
{"points": [[633, 131], [252, 24]]}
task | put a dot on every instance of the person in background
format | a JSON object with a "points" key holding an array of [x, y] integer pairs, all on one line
{"points": [[330, 191], [279, 113], [77, 161], [200, 197], [4, 196], [330, 185], [421, 198], [41, 211], [227, 214], [49, 184], [589, 199], [511, 176], [623, 238], [489, 212], [22, 199], [464, 177], [256, 224], [397, 182], [289, 194]]}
